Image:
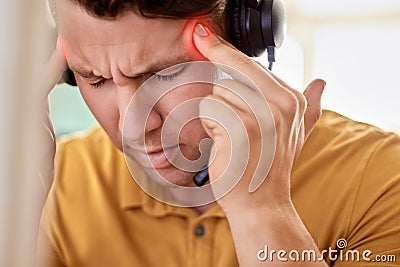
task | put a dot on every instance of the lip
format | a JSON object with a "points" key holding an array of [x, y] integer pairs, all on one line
{"points": [[155, 157]]}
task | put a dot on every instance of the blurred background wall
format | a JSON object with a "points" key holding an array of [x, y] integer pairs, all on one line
{"points": [[352, 44]]}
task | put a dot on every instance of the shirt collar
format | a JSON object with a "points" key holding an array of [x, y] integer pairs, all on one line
{"points": [[133, 197]]}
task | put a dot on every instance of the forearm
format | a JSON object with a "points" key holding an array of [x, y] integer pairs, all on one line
{"points": [[254, 220], [278, 232]]}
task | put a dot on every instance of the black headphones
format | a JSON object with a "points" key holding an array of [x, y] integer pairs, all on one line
{"points": [[254, 26]]}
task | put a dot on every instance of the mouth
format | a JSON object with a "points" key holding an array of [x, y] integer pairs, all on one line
{"points": [[155, 157]]}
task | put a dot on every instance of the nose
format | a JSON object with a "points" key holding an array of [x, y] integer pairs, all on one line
{"points": [[134, 120]]}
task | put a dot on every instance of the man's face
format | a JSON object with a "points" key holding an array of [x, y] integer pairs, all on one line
{"points": [[112, 58]]}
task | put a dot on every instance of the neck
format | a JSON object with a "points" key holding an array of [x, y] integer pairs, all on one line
{"points": [[202, 209]]}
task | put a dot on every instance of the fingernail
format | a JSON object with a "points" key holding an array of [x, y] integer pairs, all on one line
{"points": [[201, 30]]}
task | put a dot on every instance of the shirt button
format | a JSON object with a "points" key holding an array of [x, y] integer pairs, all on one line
{"points": [[199, 231]]}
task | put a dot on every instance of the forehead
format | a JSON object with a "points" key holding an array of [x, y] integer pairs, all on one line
{"points": [[131, 40]]}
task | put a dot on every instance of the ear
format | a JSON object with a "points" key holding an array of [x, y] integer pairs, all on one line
{"points": [[187, 36]]}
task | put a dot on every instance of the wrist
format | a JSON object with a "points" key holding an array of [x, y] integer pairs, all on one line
{"points": [[269, 198], [280, 227], [273, 209]]}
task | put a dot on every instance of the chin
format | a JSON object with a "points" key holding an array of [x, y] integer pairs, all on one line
{"points": [[176, 176]]}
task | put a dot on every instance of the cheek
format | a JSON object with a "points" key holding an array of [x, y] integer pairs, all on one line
{"points": [[190, 91], [192, 131], [102, 103]]}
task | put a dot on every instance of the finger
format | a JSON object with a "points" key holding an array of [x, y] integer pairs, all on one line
{"points": [[225, 126], [313, 94], [231, 97], [301, 99], [53, 69], [241, 96], [218, 51], [279, 80], [216, 115]]}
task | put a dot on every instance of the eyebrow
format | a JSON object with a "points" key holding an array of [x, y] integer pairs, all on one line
{"points": [[150, 69]]}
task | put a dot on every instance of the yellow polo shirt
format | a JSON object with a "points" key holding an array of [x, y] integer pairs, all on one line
{"points": [[345, 185]]}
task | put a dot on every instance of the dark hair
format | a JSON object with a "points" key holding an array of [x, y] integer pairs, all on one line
{"points": [[178, 9], [173, 9]]}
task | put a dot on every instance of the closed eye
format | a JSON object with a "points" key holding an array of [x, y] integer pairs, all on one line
{"points": [[166, 78], [166, 75], [98, 84], [159, 75]]}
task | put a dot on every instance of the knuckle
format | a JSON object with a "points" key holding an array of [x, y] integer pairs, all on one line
{"points": [[289, 105], [300, 98], [294, 103], [252, 127], [276, 116], [302, 103]]}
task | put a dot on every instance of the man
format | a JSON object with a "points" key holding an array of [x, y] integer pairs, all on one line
{"points": [[343, 186]]}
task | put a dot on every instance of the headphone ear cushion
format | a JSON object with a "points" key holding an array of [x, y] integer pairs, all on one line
{"points": [[278, 22], [235, 17]]}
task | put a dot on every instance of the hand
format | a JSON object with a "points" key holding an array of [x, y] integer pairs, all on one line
{"points": [[294, 115], [52, 72], [53, 69]]}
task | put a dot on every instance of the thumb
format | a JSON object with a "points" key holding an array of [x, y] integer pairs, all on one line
{"points": [[313, 94]]}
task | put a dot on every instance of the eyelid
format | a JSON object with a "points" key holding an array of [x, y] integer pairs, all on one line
{"points": [[170, 73], [98, 83], [176, 69], [91, 78]]}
